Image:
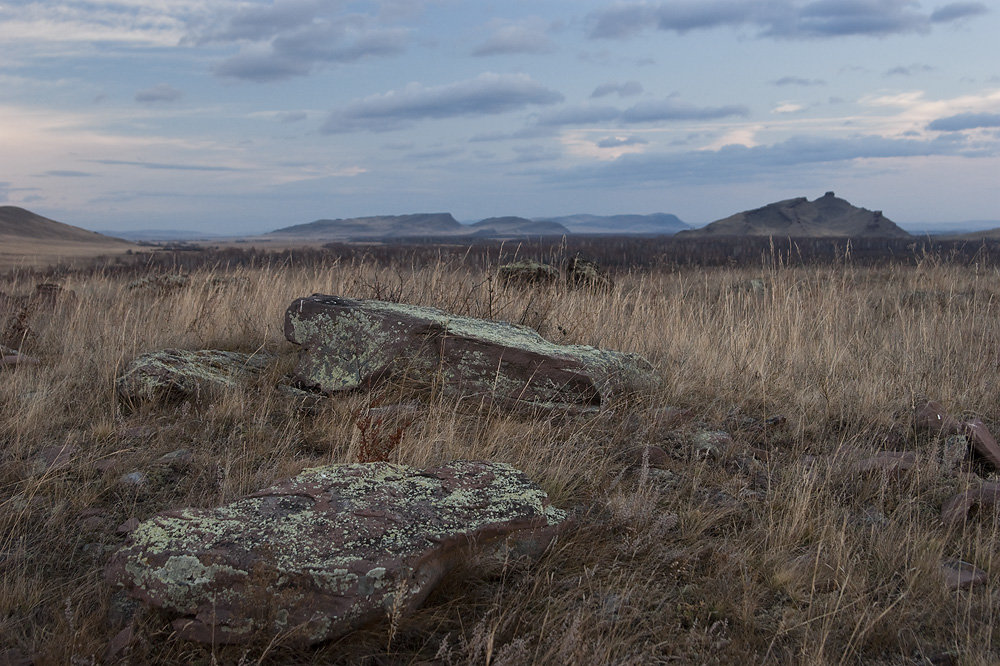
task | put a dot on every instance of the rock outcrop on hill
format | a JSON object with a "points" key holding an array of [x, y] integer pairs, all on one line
{"points": [[330, 550], [827, 216], [349, 344]]}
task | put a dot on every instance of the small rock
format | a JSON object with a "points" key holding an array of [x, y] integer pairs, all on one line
{"points": [[653, 456], [178, 459], [55, 458], [179, 374], [956, 510], [585, 273], [10, 358], [527, 272], [711, 443], [960, 575], [933, 416], [118, 644], [128, 526], [135, 479], [159, 283], [889, 462]]}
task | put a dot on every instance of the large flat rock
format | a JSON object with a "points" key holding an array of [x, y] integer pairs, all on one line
{"points": [[349, 344], [330, 550]]}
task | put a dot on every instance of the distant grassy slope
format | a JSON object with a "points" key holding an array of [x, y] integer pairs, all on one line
{"points": [[28, 239]]}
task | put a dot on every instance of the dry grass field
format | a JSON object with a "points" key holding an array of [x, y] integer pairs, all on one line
{"points": [[772, 549]]}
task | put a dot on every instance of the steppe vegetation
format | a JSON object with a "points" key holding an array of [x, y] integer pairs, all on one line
{"points": [[773, 548]]}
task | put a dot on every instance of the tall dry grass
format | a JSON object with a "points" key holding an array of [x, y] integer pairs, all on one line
{"points": [[750, 554]]}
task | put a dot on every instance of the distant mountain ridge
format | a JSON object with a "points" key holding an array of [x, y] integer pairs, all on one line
{"points": [[511, 225], [377, 226], [826, 217], [652, 224], [22, 224]]}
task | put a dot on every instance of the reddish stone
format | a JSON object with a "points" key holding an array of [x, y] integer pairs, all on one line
{"points": [[933, 416], [331, 550], [960, 575], [957, 508]]}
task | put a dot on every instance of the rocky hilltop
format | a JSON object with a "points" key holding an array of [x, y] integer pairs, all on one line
{"points": [[827, 216]]}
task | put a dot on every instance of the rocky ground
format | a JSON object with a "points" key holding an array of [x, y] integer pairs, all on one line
{"points": [[531, 464]]}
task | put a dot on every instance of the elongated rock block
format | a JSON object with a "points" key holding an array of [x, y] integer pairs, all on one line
{"points": [[348, 344], [182, 373], [330, 550]]}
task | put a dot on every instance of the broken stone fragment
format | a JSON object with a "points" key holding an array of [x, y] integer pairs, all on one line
{"points": [[182, 374], [349, 344], [933, 416], [10, 358], [890, 462], [330, 550], [959, 575], [956, 510]]}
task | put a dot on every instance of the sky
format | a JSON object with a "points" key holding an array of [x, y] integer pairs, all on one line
{"points": [[237, 117]]}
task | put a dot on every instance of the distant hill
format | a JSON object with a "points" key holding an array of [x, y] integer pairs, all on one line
{"points": [[494, 227], [18, 223], [991, 233], [827, 216], [654, 224], [379, 226]]}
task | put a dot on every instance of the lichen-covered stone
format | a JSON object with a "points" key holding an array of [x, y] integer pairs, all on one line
{"points": [[527, 271], [348, 344], [159, 283], [330, 550], [585, 273], [183, 374]]}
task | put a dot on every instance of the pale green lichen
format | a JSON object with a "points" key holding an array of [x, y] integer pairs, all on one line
{"points": [[187, 373], [384, 513], [356, 340]]}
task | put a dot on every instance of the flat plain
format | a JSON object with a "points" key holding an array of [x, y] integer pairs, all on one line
{"points": [[778, 544]]}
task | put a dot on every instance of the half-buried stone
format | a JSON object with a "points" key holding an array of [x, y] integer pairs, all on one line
{"points": [[330, 550], [182, 374], [349, 344]]}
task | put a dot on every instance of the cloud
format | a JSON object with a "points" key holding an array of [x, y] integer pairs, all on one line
{"points": [[165, 166], [584, 114], [958, 10], [668, 109], [621, 141], [733, 162], [908, 70], [510, 37], [965, 121], [59, 173], [627, 89], [292, 117], [161, 92], [783, 19], [292, 37], [486, 94], [798, 81]]}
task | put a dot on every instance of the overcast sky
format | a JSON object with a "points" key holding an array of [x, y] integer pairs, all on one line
{"points": [[239, 117]]}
